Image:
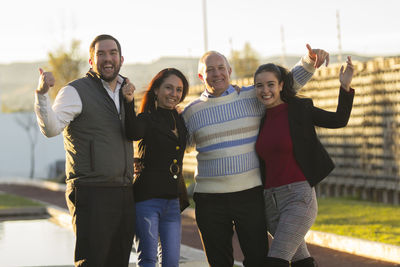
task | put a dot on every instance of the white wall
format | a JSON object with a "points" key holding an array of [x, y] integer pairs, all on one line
{"points": [[15, 150]]}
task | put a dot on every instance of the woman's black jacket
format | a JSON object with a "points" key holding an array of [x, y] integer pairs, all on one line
{"points": [[313, 159], [159, 148]]}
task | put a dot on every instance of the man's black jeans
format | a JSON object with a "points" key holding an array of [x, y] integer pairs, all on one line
{"points": [[104, 223], [218, 214]]}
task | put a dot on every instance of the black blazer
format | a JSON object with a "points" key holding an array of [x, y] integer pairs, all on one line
{"points": [[158, 149], [313, 159]]}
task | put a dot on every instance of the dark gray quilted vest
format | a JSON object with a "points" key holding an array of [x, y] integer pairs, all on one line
{"points": [[97, 150]]}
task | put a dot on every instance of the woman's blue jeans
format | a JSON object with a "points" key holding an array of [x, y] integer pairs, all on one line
{"points": [[157, 220]]}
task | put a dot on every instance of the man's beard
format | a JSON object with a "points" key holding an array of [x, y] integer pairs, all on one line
{"points": [[113, 76]]}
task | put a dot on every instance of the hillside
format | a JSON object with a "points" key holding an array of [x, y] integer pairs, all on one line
{"points": [[18, 80]]}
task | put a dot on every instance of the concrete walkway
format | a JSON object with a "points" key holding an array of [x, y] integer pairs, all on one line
{"points": [[191, 252]]}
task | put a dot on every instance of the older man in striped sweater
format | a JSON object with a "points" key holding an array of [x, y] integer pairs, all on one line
{"points": [[223, 126]]}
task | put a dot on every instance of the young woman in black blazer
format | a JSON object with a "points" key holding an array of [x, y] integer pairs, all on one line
{"points": [[292, 159], [159, 185]]}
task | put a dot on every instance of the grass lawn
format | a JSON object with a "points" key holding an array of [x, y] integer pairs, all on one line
{"points": [[360, 219], [8, 201]]}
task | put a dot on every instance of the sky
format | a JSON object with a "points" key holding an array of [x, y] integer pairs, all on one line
{"points": [[150, 29]]}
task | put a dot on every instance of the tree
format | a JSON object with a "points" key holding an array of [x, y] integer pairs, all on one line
{"points": [[65, 66], [244, 62], [27, 120], [25, 117]]}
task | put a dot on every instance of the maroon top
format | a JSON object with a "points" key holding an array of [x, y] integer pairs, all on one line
{"points": [[274, 146]]}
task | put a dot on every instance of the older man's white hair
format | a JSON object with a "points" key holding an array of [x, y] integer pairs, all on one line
{"points": [[201, 66]]}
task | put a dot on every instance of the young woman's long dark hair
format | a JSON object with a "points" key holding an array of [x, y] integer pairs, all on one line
{"points": [[149, 98], [282, 74]]}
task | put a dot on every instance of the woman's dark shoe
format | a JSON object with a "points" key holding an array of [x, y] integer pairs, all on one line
{"points": [[307, 262], [276, 262]]}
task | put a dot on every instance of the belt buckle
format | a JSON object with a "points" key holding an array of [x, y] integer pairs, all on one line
{"points": [[174, 169]]}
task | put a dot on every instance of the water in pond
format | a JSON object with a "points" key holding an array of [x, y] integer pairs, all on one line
{"points": [[36, 243]]}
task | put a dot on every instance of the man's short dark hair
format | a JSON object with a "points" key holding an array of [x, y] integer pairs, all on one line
{"points": [[101, 38]]}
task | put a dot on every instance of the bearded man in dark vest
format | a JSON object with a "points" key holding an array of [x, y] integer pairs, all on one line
{"points": [[99, 159]]}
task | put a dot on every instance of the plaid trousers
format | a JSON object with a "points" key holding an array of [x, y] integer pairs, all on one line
{"points": [[290, 212]]}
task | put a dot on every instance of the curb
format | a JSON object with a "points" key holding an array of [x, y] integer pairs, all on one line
{"points": [[60, 216], [23, 211], [53, 186], [355, 246]]}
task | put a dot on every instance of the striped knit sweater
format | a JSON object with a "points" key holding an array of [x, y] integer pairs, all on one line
{"points": [[224, 130]]}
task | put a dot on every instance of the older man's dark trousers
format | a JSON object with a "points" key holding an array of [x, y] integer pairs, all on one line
{"points": [[104, 223], [218, 214]]}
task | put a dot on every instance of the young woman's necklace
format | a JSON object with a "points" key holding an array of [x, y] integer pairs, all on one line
{"points": [[175, 130]]}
